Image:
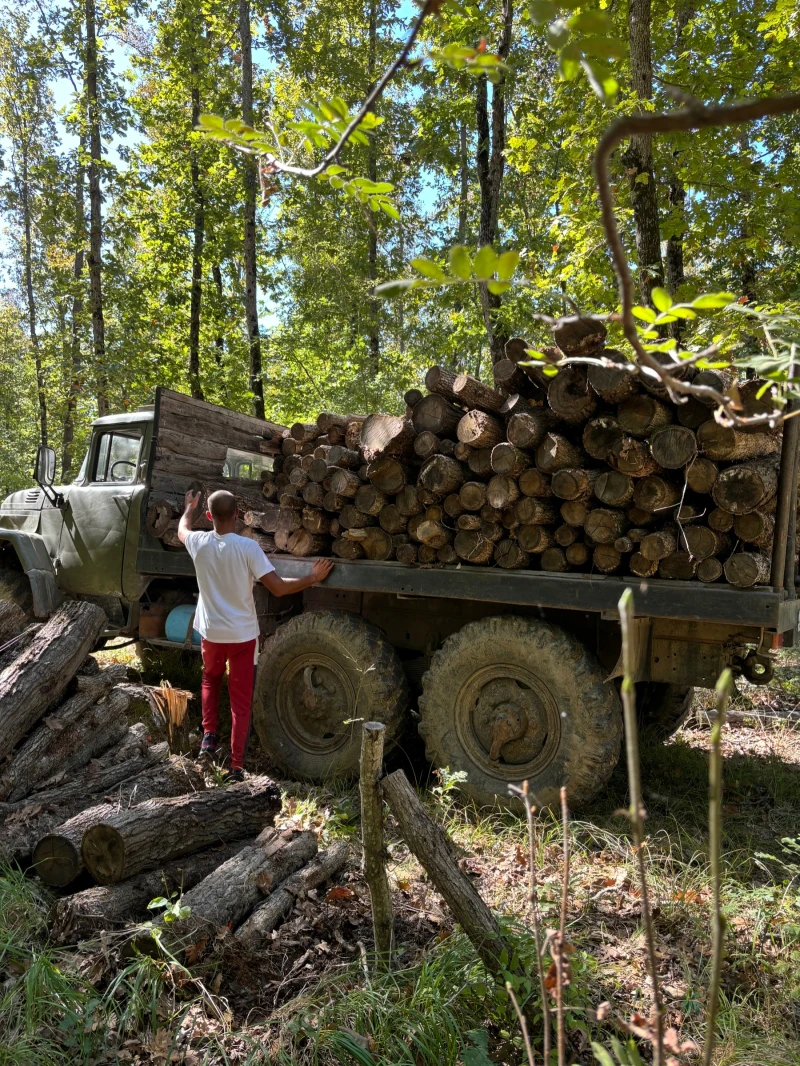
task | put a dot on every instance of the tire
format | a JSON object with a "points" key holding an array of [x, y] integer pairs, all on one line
{"points": [[319, 676], [14, 585], [662, 708], [562, 719]]}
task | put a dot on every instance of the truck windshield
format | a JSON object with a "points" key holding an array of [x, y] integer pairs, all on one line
{"points": [[117, 457], [240, 464]]}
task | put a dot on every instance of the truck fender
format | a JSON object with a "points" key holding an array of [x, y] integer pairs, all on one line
{"points": [[32, 553]]}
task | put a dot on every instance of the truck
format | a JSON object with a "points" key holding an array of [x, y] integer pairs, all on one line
{"points": [[508, 676]]}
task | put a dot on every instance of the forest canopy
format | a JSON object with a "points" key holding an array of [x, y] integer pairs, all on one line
{"points": [[140, 251]]}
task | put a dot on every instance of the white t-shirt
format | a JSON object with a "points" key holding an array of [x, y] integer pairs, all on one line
{"points": [[227, 567]]}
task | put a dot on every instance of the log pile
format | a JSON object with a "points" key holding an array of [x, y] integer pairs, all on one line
{"points": [[86, 795], [590, 470]]}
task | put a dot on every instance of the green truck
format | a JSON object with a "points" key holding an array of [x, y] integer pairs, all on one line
{"points": [[507, 675]]}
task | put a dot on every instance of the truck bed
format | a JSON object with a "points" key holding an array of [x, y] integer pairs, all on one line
{"points": [[685, 600]]}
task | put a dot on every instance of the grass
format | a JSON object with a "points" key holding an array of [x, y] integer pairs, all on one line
{"points": [[309, 1000]]}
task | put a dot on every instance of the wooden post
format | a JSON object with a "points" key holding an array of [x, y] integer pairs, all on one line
{"points": [[372, 737], [431, 845]]}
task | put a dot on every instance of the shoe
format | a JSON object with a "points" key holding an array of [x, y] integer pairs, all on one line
{"points": [[208, 748], [233, 777]]}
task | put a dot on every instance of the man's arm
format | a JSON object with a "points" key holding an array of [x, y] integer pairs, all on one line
{"points": [[285, 586], [191, 502]]}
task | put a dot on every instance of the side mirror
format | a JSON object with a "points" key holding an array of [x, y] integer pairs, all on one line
{"points": [[45, 466]]}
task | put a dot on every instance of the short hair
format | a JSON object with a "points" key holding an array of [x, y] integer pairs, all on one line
{"points": [[222, 505]]}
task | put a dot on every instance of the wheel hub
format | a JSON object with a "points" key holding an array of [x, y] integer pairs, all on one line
{"points": [[314, 700], [508, 720]]}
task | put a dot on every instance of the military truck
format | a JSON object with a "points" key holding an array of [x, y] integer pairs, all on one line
{"points": [[507, 675]]}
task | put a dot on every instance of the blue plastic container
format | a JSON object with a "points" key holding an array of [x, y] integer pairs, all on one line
{"points": [[178, 622]]}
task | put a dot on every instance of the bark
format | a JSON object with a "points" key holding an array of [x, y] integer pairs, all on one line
{"points": [[510, 380], [95, 257], [389, 476], [85, 725], [250, 181], [612, 385], [724, 442], [574, 484], [638, 158], [57, 856], [198, 239], [351, 518], [12, 620], [654, 493], [76, 314], [604, 525], [633, 457], [556, 453], [490, 162], [600, 436], [570, 396], [132, 841], [255, 933], [387, 435], [527, 429], [441, 475], [27, 227], [85, 914], [746, 487], [372, 838], [640, 416], [38, 677], [755, 528], [746, 569], [265, 541]]}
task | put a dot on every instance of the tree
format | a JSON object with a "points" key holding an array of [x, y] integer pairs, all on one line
{"points": [[95, 256], [250, 185]]}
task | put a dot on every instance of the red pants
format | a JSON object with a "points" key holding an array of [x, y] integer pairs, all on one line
{"points": [[241, 674]]}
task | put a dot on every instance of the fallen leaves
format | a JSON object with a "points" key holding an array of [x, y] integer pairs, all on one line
{"points": [[338, 892]]}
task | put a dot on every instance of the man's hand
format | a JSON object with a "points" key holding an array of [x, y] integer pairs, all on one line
{"points": [[320, 570], [191, 501]]}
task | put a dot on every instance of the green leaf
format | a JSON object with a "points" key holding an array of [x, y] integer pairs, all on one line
{"points": [[569, 68], [662, 300], [498, 287], [485, 263], [460, 263], [712, 300], [542, 11], [333, 170], [506, 265], [550, 371], [428, 268], [602, 47], [590, 22], [558, 34], [682, 312], [620, 1052], [534, 354], [389, 289], [647, 314], [602, 1055], [643, 178], [389, 209], [158, 903]]}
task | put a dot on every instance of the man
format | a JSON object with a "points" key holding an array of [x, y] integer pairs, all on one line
{"points": [[227, 566]]}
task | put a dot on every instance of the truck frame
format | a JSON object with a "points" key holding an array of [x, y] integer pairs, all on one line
{"points": [[513, 672]]}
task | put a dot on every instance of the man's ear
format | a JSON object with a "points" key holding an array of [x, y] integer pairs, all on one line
{"points": [[209, 516]]}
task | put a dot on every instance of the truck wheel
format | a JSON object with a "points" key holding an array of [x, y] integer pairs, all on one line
{"points": [[662, 708], [15, 586], [319, 676], [507, 700]]}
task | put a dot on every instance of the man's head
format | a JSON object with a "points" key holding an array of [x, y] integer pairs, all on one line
{"points": [[222, 509]]}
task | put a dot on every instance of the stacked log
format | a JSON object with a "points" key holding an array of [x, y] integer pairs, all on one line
{"points": [[537, 472]]}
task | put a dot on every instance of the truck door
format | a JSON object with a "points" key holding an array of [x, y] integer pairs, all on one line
{"points": [[92, 546]]}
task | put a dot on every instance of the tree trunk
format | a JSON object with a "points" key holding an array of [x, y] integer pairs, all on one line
{"points": [[256, 931], [82, 727], [76, 313], [57, 855], [24, 191], [132, 841], [95, 257], [198, 239], [12, 620], [250, 186], [112, 907], [490, 162], [36, 680], [638, 158], [219, 340]]}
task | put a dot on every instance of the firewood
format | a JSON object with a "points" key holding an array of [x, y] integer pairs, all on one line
{"points": [[333, 502], [291, 500], [391, 520], [600, 436], [265, 520], [441, 475], [36, 680], [469, 521], [387, 435], [709, 570], [289, 446], [748, 486], [611, 384], [579, 335], [679, 566], [433, 533], [294, 462], [388, 475], [265, 541], [318, 470], [556, 453], [509, 520], [673, 447], [447, 555], [510, 556], [302, 543], [576, 555], [305, 431], [160, 513], [624, 545], [57, 856], [642, 415], [314, 494], [306, 462], [574, 484], [530, 511], [345, 482], [614, 489], [347, 549], [369, 500], [692, 413], [426, 444], [575, 512], [406, 553], [518, 403], [315, 521], [658, 545], [724, 442], [131, 841], [462, 452], [437, 415], [508, 459], [607, 559], [480, 430], [752, 403], [414, 523], [528, 428], [377, 543], [349, 458], [701, 475], [452, 505], [533, 482], [633, 457], [502, 491], [554, 561], [480, 462], [720, 379], [637, 516], [472, 495], [426, 554], [325, 419], [412, 397], [408, 501], [490, 514], [534, 539], [351, 518], [604, 525], [570, 396], [269, 490], [755, 528], [655, 493], [702, 542], [463, 389], [509, 378], [565, 535], [642, 567], [471, 546]]}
